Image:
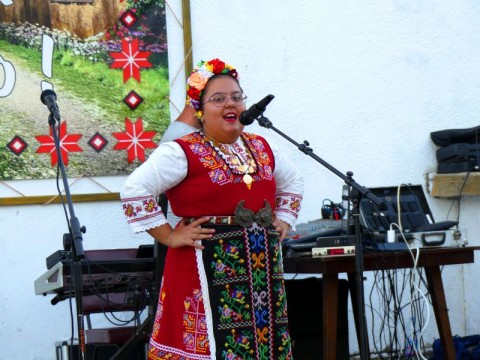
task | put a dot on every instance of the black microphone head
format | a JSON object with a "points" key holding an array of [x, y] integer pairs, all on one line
{"points": [[46, 93], [262, 104], [248, 116], [245, 118]]}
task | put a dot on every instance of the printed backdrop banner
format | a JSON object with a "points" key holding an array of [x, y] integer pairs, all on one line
{"points": [[100, 67]]}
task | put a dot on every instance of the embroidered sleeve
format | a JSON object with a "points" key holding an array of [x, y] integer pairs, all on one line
{"points": [[289, 192], [165, 168]]}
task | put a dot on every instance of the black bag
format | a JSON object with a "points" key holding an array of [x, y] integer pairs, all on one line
{"points": [[332, 211], [454, 136], [466, 348], [460, 150]]}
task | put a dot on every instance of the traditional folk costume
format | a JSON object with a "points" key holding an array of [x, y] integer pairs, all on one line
{"points": [[228, 300]]}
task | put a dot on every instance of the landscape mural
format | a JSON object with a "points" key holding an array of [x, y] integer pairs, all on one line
{"points": [[106, 63]]}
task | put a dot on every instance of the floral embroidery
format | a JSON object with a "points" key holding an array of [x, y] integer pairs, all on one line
{"points": [[219, 176], [162, 353], [140, 210], [130, 211], [159, 314], [288, 203], [221, 172], [194, 322], [150, 205], [228, 264], [242, 345]]}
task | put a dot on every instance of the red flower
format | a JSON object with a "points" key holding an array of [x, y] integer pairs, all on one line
{"points": [[233, 73], [218, 66], [193, 93]]}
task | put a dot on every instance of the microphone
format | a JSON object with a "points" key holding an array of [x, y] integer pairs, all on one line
{"points": [[49, 98], [248, 116]]}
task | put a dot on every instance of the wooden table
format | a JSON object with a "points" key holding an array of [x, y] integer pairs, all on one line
{"points": [[330, 266]]}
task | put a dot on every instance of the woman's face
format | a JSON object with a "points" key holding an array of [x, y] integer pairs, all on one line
{"points": [[221, 122]]}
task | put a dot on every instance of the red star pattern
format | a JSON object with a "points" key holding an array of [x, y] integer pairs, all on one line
{"points": [[130, 59], [68, 143], [135, 140]]}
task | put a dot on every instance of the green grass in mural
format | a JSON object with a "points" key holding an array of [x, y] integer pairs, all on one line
{"points": [[96, 83], [20, 167]]}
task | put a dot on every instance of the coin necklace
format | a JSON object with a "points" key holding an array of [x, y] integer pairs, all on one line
{"points": [[247, 164], [246, 169], [238, 159]]}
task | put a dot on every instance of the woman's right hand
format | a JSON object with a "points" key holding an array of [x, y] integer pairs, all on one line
{"points": [[188, 234]]}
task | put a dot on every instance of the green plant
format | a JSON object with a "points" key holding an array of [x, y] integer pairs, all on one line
{"points": [[145, 6]]}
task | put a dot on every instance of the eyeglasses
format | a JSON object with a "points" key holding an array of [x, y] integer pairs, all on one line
{"points": [[221, 99]]}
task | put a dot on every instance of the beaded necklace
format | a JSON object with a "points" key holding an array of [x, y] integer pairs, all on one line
{"points": [[237, 157]]}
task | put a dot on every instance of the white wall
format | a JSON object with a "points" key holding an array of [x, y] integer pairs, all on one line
{"points": [[30, 325], [364, 82]]}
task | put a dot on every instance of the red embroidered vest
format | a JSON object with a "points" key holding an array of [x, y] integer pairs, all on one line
{"points": [[211, 188]]}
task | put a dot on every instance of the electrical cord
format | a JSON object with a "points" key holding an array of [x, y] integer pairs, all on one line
{"points": [[413, 286], [120, 306], [458, 198], [390, 287], [415, 256]]}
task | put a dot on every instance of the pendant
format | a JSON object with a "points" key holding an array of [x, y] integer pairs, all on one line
{"points": [[247, 179]]}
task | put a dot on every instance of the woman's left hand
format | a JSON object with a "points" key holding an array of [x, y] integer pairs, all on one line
{"points": [[282, 227]]}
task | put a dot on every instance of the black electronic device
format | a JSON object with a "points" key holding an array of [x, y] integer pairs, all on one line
{"points": [[313, 236], [320, 244], [105, 270], [459, 150], [145, 251], [411, 204]]}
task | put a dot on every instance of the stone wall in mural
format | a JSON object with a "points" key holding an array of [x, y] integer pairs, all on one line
{"points": [[105, 65]]}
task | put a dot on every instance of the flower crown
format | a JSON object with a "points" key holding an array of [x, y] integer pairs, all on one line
{"points": [[199, 77]]}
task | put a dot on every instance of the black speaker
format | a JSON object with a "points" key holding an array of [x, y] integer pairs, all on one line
{"points": [[305, 319], [105, 352]]}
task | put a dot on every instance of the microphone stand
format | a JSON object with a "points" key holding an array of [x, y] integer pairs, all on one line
{"points": [[78, 254], [359, 191]]}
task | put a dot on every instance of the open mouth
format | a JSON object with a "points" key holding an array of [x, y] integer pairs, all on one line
{"points": [[230, 117]]}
